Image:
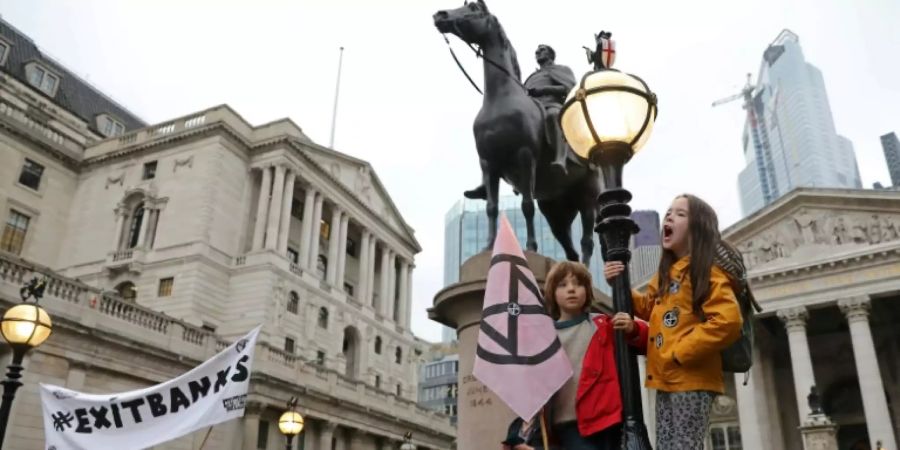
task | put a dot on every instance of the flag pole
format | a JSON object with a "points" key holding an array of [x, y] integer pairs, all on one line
{"points": [[208, 432], [337, 91], [544, 430]]}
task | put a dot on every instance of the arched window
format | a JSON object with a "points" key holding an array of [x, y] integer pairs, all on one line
{"points": [[134, 229], [293, 303], [321, 266], [127, 291], [323, 318], [398, 355], [351, 351], [377, 345]]}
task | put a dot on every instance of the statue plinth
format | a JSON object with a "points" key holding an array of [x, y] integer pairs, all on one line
{"points": [[483, 418], [819, 433]]}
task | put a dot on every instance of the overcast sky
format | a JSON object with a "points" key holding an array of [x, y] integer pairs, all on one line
{"points": [[407, 109]]}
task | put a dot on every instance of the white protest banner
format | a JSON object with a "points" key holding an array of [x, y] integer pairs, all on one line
{"points": [[211, 393]]}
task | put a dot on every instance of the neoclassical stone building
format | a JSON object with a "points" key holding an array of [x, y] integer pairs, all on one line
{"points": [[163, 242], [825, 265]]}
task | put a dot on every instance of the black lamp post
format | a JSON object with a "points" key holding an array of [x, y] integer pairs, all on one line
{"points": [[606, 119], [23, 326], [290, 423]]}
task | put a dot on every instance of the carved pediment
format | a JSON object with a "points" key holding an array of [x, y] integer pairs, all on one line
{"points": [[810, 234], [357, 176]]}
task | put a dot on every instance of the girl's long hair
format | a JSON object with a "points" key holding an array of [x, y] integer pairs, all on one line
{"points": [[703, 229]]}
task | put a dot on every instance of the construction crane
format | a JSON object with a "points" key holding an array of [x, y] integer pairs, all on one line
{"points": [[765, 167]]}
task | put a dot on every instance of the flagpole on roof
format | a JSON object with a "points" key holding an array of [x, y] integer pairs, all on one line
{"points": [[337, 91]]}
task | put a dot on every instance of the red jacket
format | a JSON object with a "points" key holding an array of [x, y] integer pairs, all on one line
{"points": [[598, 404]]}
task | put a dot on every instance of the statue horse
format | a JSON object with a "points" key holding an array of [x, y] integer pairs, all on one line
{"points": [[511, 141]]}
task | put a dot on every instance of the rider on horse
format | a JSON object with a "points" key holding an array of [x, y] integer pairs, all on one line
{"points": [[549, 85]]}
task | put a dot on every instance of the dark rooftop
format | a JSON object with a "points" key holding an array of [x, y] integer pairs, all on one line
{"points": [[74, 94]]}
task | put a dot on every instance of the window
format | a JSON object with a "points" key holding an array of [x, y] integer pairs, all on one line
{"points": [[324, 230], [31, 174], [293, 305], [323, 318], [262, 438], [149, 171], [127, 291], [4, 51], [398, 355], [297, 209], [321, 266], [320, 358], [42, 79], [399, 390], [348, 288], [165, 287], [289, 345], [351, 247], [377, 345], [14, 232], [134, 230], [725, 437], [378, 381], [293, 255], [111, 127]]}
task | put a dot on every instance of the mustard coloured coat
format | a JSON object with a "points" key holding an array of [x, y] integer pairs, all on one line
{"points": [[683, 352]]}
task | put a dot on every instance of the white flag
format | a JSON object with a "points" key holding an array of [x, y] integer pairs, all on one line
{"points": [[211, 393]]}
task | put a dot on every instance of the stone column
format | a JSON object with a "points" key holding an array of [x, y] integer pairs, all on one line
{"points": [[878, 419], [392, 287], [151, 231], [314, 233], [117, 235], [251, 427], [142, 233], [342, 251], [306, 226], [402, 309], [326, 434], [309, 439], [334, 238], [385, 279], [370, 266], [363, 268], [358, 440], [285, 227], [409, 297], [275, 209], [801, 362], [752, 411], [262, 209]]}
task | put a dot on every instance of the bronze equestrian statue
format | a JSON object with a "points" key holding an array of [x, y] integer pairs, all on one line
{"points": [[517, 134]]}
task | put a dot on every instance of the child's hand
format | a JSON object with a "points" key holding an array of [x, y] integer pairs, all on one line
{"points": [[612, 269], [622, 321]]}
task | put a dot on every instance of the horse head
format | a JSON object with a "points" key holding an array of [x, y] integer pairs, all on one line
{"points": [[472, 22]]}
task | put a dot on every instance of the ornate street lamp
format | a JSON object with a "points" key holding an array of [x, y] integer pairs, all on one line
{"points": [[407, 442], [24, 327], [606, 119], [291, 422]]}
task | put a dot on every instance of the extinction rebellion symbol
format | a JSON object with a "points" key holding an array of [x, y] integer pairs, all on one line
{"points": [[514, 312]]}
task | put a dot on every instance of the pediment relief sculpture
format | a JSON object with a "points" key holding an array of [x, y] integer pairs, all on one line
{"points": [[809, 233]]}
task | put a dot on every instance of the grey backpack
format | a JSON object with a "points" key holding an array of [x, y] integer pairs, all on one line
{"points": [[739, 356]]}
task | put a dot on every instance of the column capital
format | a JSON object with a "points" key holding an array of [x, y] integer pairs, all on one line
{"points": [[794, 318], [329, 426], [855, 308]]}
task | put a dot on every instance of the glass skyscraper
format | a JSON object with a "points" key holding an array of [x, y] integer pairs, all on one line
{"points": [[789, 138]]}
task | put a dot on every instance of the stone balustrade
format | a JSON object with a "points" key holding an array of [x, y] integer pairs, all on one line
{"points": [[87, 306], [24, 121], [221, 115]]}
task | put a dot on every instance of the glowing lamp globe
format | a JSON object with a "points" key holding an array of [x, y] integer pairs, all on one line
{"points": [[290, 423], [26, 325], [608, 109]]}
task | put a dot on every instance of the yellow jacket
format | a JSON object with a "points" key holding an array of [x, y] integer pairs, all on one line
{"points": [[683, 352]]}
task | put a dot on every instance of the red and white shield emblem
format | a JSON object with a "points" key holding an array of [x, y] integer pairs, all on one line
{"points": [[607, 52]]}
